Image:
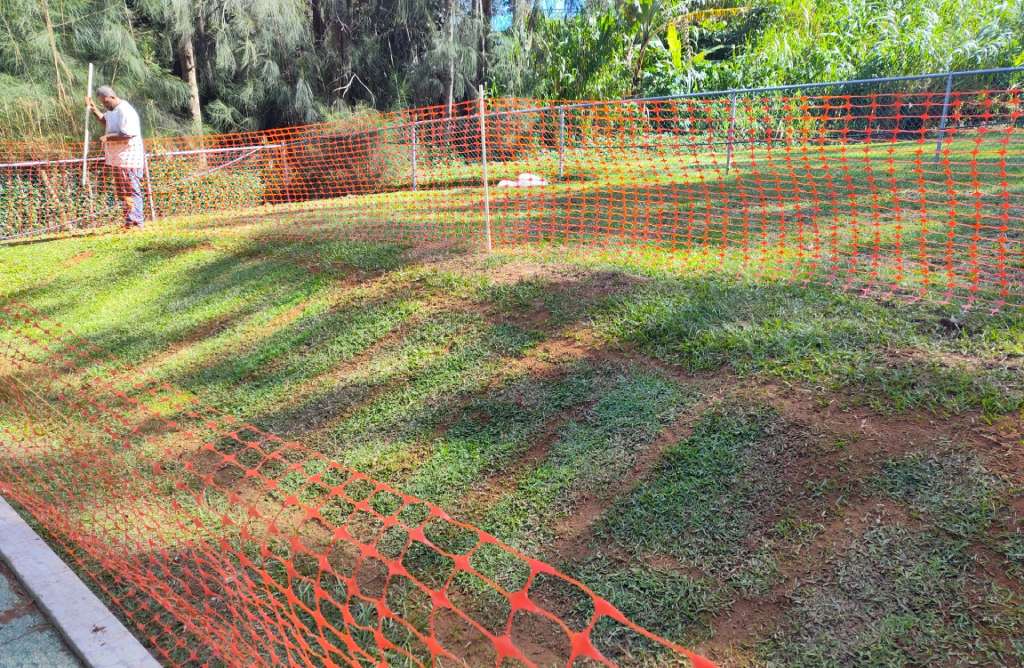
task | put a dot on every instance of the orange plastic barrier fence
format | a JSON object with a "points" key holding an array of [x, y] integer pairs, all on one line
{"points": [[911, 194], [223, 544]]}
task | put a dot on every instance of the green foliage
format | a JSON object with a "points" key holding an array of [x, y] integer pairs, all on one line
{"points": [[355, 153], [50, 199], [822, 40], [265, 63], [653, 47], [32, 109], [238, 189], [642, 47], [245, 53], [49, 83], [675, 47], [579, 58]]}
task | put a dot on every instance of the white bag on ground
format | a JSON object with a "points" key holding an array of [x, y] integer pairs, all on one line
{"points": [[524, 180]]}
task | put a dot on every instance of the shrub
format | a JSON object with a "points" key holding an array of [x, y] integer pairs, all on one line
{"points": [[356, 154], [39, 199], [180, 190], [509, 137], [610, 124]]}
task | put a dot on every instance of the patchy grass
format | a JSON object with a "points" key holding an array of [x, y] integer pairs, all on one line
{"points": [[492, 432], [635, 418], [677, 605], [898, 357], [953, 488], [898, 597], [587, 455]]}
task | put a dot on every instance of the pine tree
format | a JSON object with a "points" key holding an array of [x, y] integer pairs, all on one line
{"points": [[237, 58], [45, 48]]}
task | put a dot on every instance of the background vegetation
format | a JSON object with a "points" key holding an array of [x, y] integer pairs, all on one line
{"points": [[223, 65]]}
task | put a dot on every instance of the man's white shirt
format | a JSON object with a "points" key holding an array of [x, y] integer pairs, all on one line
{"points": [[124, 119]]}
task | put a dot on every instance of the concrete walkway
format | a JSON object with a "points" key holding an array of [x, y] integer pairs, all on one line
{"points": [[27, 638], [87, 627]]}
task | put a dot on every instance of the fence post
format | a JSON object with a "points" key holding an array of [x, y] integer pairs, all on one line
{"points": [[414, 139], [945, 117], [561, 142], [85, 144], [483, 160], [731, 134], [149, 186]]}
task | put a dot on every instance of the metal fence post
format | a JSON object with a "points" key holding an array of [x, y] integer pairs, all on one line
{"points": [[483, 162], [414, 139], [561, 142], [149, 186], [731, 134], [945, 117]]}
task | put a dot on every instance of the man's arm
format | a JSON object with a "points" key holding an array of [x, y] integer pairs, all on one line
{"points": [[117, 137], [95, 112], [102, 119], [128, 126]]}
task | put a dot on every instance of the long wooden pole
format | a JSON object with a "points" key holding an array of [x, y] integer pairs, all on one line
{"points": [[85, 144]]}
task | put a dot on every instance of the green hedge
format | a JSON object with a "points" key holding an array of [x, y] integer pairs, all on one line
{"points": [[40, 200], [178, 191]]}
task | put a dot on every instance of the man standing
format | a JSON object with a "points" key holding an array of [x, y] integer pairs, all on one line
{"points": [[123, 150]]}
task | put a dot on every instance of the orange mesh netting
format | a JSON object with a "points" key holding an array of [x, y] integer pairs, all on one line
{"points": [[224, 544], [891, 193]]}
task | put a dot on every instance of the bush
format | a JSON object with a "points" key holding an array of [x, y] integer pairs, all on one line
{"points": [[179, 190], [823, 40], [52, 198], [610, 124], [39, 199], [509, 137], [357, 154], [23, 205]]}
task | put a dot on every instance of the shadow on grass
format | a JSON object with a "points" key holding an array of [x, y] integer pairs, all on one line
{"points": [[440, 403]]}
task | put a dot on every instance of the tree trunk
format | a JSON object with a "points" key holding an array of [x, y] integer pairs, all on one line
{"points": [[485, 25], [345, 36], [520, 12], [319, 26], [58, 63], [187, 58]]}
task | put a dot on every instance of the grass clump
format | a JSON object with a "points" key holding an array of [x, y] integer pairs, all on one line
{"points": [[710, 502], [896, 598], [952, 488], [897, 357]]}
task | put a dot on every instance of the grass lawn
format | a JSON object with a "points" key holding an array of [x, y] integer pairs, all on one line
{"points": [[767, 471]]}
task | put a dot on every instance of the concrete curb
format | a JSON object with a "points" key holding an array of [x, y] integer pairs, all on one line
{"points": [[92, 632]]}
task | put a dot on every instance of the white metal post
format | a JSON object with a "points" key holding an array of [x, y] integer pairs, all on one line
{"points": [[414, 140], [945, 117], [731, 137], [561, 142], [149, 185], [483, 160]]}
